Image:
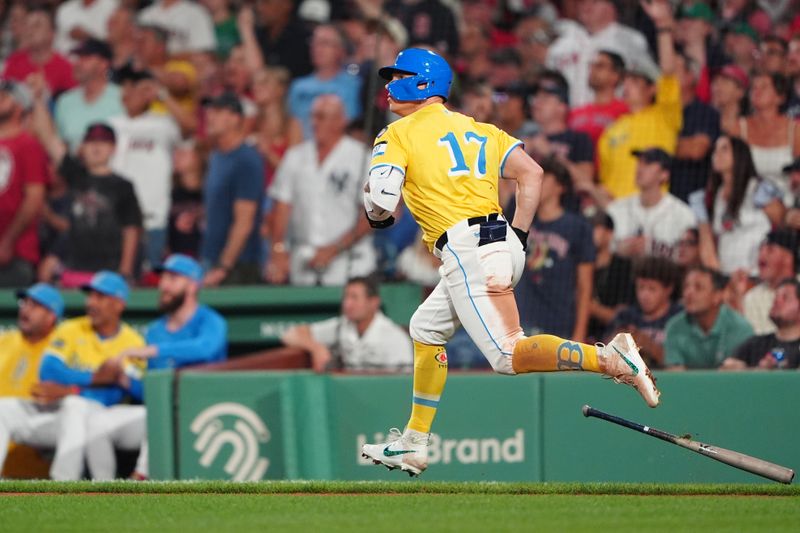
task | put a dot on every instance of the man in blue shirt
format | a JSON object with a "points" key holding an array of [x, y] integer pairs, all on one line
{"points": [[188, 333], [234, 190], [328, 53]]}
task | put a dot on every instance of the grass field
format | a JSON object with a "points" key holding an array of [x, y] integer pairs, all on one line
{"points": [[371, 506]]}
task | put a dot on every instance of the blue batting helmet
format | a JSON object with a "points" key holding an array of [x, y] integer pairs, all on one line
{"points": [[431, 75]]}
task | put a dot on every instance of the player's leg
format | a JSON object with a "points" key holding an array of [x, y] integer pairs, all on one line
{"points": [[432, 325], [25, 423], [480, 280], [142, 469], [117, 427], [73, 416]]}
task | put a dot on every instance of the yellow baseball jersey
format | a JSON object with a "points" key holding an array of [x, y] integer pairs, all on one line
{"points": [[77, 344], [657, 125], [19, 363], [451, 165]]}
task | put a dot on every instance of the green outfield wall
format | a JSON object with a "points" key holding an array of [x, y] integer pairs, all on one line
{"points": [[298, 425]]}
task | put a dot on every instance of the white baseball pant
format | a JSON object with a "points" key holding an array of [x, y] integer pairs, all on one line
{"points": [[119, 426], [62, 426], [476, 291]]}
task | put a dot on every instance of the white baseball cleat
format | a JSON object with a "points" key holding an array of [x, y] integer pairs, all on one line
{"points": [[620, 360], [407, 451]]}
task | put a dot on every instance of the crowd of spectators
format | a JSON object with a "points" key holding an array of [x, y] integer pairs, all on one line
{"points": [[238, 133]]}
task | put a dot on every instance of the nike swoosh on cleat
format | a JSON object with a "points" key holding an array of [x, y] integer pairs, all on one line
{"points": [[391, 453], [628, 361]]}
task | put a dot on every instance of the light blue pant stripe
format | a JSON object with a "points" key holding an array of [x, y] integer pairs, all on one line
{"points": [[469, 293]]}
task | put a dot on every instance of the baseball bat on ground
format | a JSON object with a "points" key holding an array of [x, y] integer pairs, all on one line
{"points": [[738, 460]]}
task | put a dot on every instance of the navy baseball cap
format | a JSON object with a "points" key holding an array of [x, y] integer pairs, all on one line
{"points": [[94, 47], [182, 265], [45, 295], [654, 155], [227, 100], [108, 283]]}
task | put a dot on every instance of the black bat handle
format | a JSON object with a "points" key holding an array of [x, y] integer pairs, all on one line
{"points": [[663, 435]]}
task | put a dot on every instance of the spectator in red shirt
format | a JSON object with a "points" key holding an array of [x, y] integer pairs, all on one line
{"points": [[23, 176], [36, 55], [605, 74]]}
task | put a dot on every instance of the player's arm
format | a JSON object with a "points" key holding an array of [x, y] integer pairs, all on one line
{"points": [[300, 336], [382, 194], [521, 167]]}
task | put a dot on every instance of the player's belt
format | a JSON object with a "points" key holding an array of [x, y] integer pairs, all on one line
{"points": [[442, 240]]}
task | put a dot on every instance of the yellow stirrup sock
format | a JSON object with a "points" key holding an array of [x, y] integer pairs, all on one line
{"points": [[430, 375], [548, 353]]}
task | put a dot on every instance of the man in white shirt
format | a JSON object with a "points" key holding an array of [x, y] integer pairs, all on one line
{"points": [[361, 339], [318, 235], [77, 20], [145, 141], [652, 221], [778, 259], [189, 24], [578, 44]]}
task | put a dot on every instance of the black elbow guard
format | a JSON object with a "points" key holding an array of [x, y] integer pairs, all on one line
{"points": [[380, 224]]}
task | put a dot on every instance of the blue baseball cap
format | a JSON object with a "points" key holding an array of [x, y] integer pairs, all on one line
{"points": [[46, 295], [182, 265], [108, 283]]}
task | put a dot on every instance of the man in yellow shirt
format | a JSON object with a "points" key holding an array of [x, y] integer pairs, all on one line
{"points": [[655, 117], [21, 350], [447, 167], [71, 366]]}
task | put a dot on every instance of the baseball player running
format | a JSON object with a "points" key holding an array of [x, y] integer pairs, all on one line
{"points": [[446, 166]]}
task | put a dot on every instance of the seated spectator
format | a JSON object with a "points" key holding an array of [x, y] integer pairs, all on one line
{"points": [[740, 45], [145, 141], [534, 36], [95, 99], [772, 55], [652, 221], [736, 210], [780, 349], [21, 350], [190, 27], [656, 279], [233, 194], [122, 36], [793, 72], [573, 149], [439, 29], [189, 333], [555, 291], [66, 396], [477, 101], [24, 177], [37, 57], [361, 339], [655, 113], [777, 260], [104, 219], [474, 61], [606, 73], [774, 137], [613, 287], [328, 52], [511, 110], [78, 20], [184, 228], [707, 330], [792, 218], [274, 35], [728, 90], [321, 175], [687, 253], [690, 166]]}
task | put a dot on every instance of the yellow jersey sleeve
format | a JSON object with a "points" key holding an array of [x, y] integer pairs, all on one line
{"points": [[389, 150]]}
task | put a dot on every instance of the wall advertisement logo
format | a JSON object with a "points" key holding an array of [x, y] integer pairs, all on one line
{"points": [[233, 425]]}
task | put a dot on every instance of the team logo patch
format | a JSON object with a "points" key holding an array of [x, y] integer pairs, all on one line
{"points": [[441, 358], [379, 149]]}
